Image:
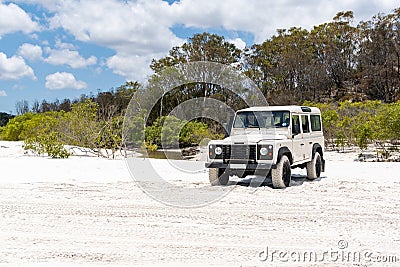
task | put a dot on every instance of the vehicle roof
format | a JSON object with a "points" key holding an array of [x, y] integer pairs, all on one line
{"points": [[277, 108]]}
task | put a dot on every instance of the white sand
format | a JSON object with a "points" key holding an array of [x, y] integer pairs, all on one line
{"points": [[88, 211]]}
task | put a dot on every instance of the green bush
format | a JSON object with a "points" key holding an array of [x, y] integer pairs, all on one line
{"points": [[111, 133], [169, 130], [46, 144], [388, 122], [41, 124], [136, 130], [364, 134], [149, 146], [194, 132], [164, 132], [360, 123], [15, 127], [81, 126], [31, 124]]}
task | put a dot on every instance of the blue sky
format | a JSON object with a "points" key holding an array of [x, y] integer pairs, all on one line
{"points": [[62, 49]]}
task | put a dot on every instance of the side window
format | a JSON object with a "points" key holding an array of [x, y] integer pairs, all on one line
{"points": [[305, 124], [295, 124], [281, 118], [315, 123], [286, 119]]}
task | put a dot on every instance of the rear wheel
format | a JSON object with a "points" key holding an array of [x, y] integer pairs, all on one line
{"points": [[282, 175], [218, 176], [314, 167]]}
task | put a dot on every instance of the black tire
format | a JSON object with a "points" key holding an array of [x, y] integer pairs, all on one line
{"points": [[218, 176], [282, 175], [314, 167]]}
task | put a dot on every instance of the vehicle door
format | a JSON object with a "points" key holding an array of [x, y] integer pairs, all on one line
{"points": [[307, 140], [297, 138]]}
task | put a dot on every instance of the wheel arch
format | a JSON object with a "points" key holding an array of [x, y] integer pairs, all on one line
{"points": [[284, 151], [317, 148]]}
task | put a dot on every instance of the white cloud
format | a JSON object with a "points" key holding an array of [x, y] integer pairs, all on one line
{"points": [[65, 54], [63, 80], [30, 52], [135, 30], [239, 43], [69, 57], [14, 68], [130, 67], [3, 93], [14, 19], [262, 18], [62, 45], [132, 27]]}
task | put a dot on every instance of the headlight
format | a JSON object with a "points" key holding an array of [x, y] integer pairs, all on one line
{"points": [[215, 151], [263, 151]]}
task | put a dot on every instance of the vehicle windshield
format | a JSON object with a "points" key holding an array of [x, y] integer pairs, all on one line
{"points": [[262, 119]]}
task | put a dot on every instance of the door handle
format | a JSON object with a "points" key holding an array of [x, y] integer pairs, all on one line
{"points": [[302, 144]]}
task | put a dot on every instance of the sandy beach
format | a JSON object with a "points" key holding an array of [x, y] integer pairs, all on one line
{"points": [[89, 211]]}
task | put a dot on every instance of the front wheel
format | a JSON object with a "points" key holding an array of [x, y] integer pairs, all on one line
{"points": [[282, 174], [218, 176], [314, 167]]}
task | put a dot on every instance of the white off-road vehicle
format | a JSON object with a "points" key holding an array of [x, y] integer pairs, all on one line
{"points": [[269, 141]]}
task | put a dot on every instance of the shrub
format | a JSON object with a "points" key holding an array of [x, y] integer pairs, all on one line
{"points": [[194, 132], [164, 132], [169, 131], [150, 146], [15, 127], [364, 134], [46, 144], [30, 125], [340, 140], [80, 126], [134, 130], [388, 122]]}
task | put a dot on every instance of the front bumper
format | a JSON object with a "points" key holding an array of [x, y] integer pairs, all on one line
{"points": [[241, 166]]}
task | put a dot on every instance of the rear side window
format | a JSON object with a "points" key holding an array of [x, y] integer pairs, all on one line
{"points": [[305, 124], [296, 124], [315, 123]]}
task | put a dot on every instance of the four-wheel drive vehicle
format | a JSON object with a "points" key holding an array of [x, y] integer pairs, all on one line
{"points": [[269, 141]]}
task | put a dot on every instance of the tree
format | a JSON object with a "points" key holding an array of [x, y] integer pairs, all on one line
{"points": [[4, 118], [284, 66], [124, 94], [110, 137], [36, 106], [379, 57], [44, 106], [65, 105], [14, 129], [296, 65], [200, 47], [80, 127], [335, 45], [22, 107]]}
